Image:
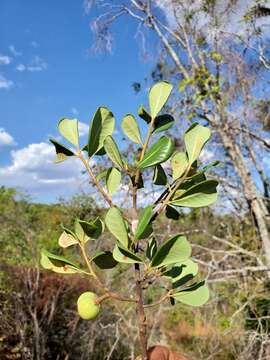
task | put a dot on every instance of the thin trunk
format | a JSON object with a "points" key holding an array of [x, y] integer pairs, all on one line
{"points": [[253, 199], [141, 315]]}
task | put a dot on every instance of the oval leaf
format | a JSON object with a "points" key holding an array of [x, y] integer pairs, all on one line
{"points": [[195, 138], [163, 123], [195, 295], [62, 153], [116, 225], [102, 126], [57, 263], [174, 250], [113, 152], [131, 128], [125, 256], [104, 260], [158, 153], [66, 240], [144, 227], [68, 128], [158, 96], [179, 163], [199, 195], [113, 179]]}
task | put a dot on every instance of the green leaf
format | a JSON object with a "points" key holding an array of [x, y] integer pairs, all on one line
{"points": [[102, 174], [131, 129], [163, 123], [113, 152], [194, 296], [102, 126], [143, 114], [159, 177], [171, 213], [62, 153], [158, 96], [179, 163], [116, 225], [123, 255], [104, 260], [158, 153], [113, 179], [178, 271], [68, 128], [57, 263], [195, 138], [199, 195], [67, 240], [86, 230], [189, 269], [144, 227], [174, 250], [151, 248]]}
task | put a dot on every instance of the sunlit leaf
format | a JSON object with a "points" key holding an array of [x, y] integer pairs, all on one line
{"points": [[67, 240], [199, 195], [195, 295], [195, 138], [131, 128], [102, 126], [68, 128], [174, 250], [57, 263], [116, 225], [179, 163], [144, 227], [158, 96], [113, 180], [124, 255], [113, 152], [158, 153]]}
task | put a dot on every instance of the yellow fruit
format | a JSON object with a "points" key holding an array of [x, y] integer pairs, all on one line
{"points": [[86, 305]]}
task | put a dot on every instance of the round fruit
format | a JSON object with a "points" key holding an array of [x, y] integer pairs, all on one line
{"points": [[86, 305]]}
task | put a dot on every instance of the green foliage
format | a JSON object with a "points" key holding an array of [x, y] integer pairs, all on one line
{"points": [[158, 153], [62, 152], [102, 126], [68, 128], [134, 242], [116, 225], [131, 129]]}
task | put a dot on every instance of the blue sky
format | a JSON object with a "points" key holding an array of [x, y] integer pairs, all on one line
{"points": [[47, 72]]}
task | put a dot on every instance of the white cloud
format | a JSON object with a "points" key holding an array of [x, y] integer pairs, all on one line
{"points": [[37, 64], [75, 111], [83, 128], [5, 138], [5, 59], [13, 51], [33, 169], [5, 83], [21, 67]]}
